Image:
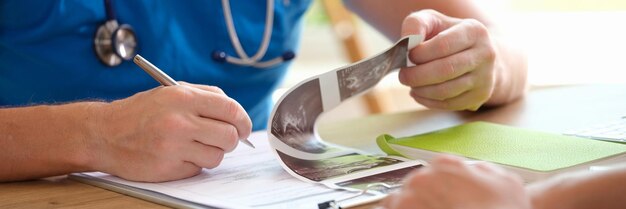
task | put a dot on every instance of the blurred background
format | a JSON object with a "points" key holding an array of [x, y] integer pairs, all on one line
{"points": [[567, 42]]}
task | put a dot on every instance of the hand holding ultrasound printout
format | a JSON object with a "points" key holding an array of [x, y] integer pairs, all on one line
{"points": [[307, 157]]}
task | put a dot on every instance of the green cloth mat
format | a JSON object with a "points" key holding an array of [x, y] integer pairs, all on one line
{"points": [[507, 145]]}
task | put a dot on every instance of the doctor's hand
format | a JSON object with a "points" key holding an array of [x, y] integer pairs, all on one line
{"points": [[454, 65], [168, 133], [450, 183]]}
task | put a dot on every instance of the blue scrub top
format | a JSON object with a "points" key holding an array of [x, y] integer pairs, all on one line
{"points": [[47, 54]]}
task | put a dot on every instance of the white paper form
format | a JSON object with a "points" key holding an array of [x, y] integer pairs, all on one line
{"points": [[246, 178]]}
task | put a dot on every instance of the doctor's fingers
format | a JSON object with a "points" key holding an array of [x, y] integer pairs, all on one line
{"points": [[184, 170], [447, 68], [215, 133], [213, 89], [202, 155], [466, 34], [223, 108]]}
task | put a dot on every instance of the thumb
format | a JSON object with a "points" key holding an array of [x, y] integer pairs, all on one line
{"points": [[427, 23]]}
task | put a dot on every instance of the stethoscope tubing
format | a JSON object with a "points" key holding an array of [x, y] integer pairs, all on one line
{"points": [[243, 58]]}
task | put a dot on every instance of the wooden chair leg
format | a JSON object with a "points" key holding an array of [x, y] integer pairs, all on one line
{"points": [[344, 26]]}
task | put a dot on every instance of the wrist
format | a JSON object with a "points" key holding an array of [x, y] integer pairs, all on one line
{"points": [[554, 193], [88, 118], [510, 74]]}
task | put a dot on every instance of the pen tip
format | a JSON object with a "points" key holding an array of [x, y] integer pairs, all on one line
{"points": [[245, 141]]}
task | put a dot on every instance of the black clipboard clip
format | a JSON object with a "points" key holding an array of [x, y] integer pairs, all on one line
{"points": [[335, 204]]}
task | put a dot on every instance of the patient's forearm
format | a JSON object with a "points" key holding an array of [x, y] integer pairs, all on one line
{"points": [[604, 189]]}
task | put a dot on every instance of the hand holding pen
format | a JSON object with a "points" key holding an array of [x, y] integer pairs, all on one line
{"points": [[166, 80], [165, 134]]}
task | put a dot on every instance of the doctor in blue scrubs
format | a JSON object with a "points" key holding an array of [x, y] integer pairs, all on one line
{"points": [[72, 101]]}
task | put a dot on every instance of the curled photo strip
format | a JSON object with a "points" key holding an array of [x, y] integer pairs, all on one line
{"points": [[304, 154]]}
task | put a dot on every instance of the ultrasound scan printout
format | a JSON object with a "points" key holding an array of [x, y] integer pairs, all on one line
{"points": [[304, 154]]}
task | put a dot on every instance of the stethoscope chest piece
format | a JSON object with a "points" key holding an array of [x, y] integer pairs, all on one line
{"points": [[114, 43]]}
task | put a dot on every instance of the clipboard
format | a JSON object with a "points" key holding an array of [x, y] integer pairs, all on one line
{"points": [[167, 200], [160, 193], [143, 194], [338, 203]]}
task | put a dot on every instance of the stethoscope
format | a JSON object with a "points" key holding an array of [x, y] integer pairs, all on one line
{"points": [[115, 43]]}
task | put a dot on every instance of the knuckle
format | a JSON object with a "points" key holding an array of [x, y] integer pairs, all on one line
{"points": [[441, 90], [171, 123], [477, 30], [215, 89], [468, 82], [485, 95], [404, 76], [232, 108], [417, 92], [480, 102], [448, 69], [415, 95], [412, 19], [490, 54], [215, 159], [231, 137], [444, 45], [482, 95], [179, 94], [469, 61], [429, 12], [415, 56], [477, 26]]}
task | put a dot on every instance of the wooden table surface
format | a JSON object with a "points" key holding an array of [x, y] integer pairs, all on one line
{"points": [[554, 109]]}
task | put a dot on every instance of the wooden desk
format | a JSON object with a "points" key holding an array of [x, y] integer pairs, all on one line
{"points": [[60, 192], [549, 109]]}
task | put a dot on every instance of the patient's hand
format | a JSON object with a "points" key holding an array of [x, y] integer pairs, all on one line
{"points": [[455, 65], [450, 183]]}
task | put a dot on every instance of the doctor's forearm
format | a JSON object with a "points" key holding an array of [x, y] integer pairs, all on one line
{"points": [[45, 140]]}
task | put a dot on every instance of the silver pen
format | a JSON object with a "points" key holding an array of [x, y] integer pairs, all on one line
{"points": [[165, 80]]}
